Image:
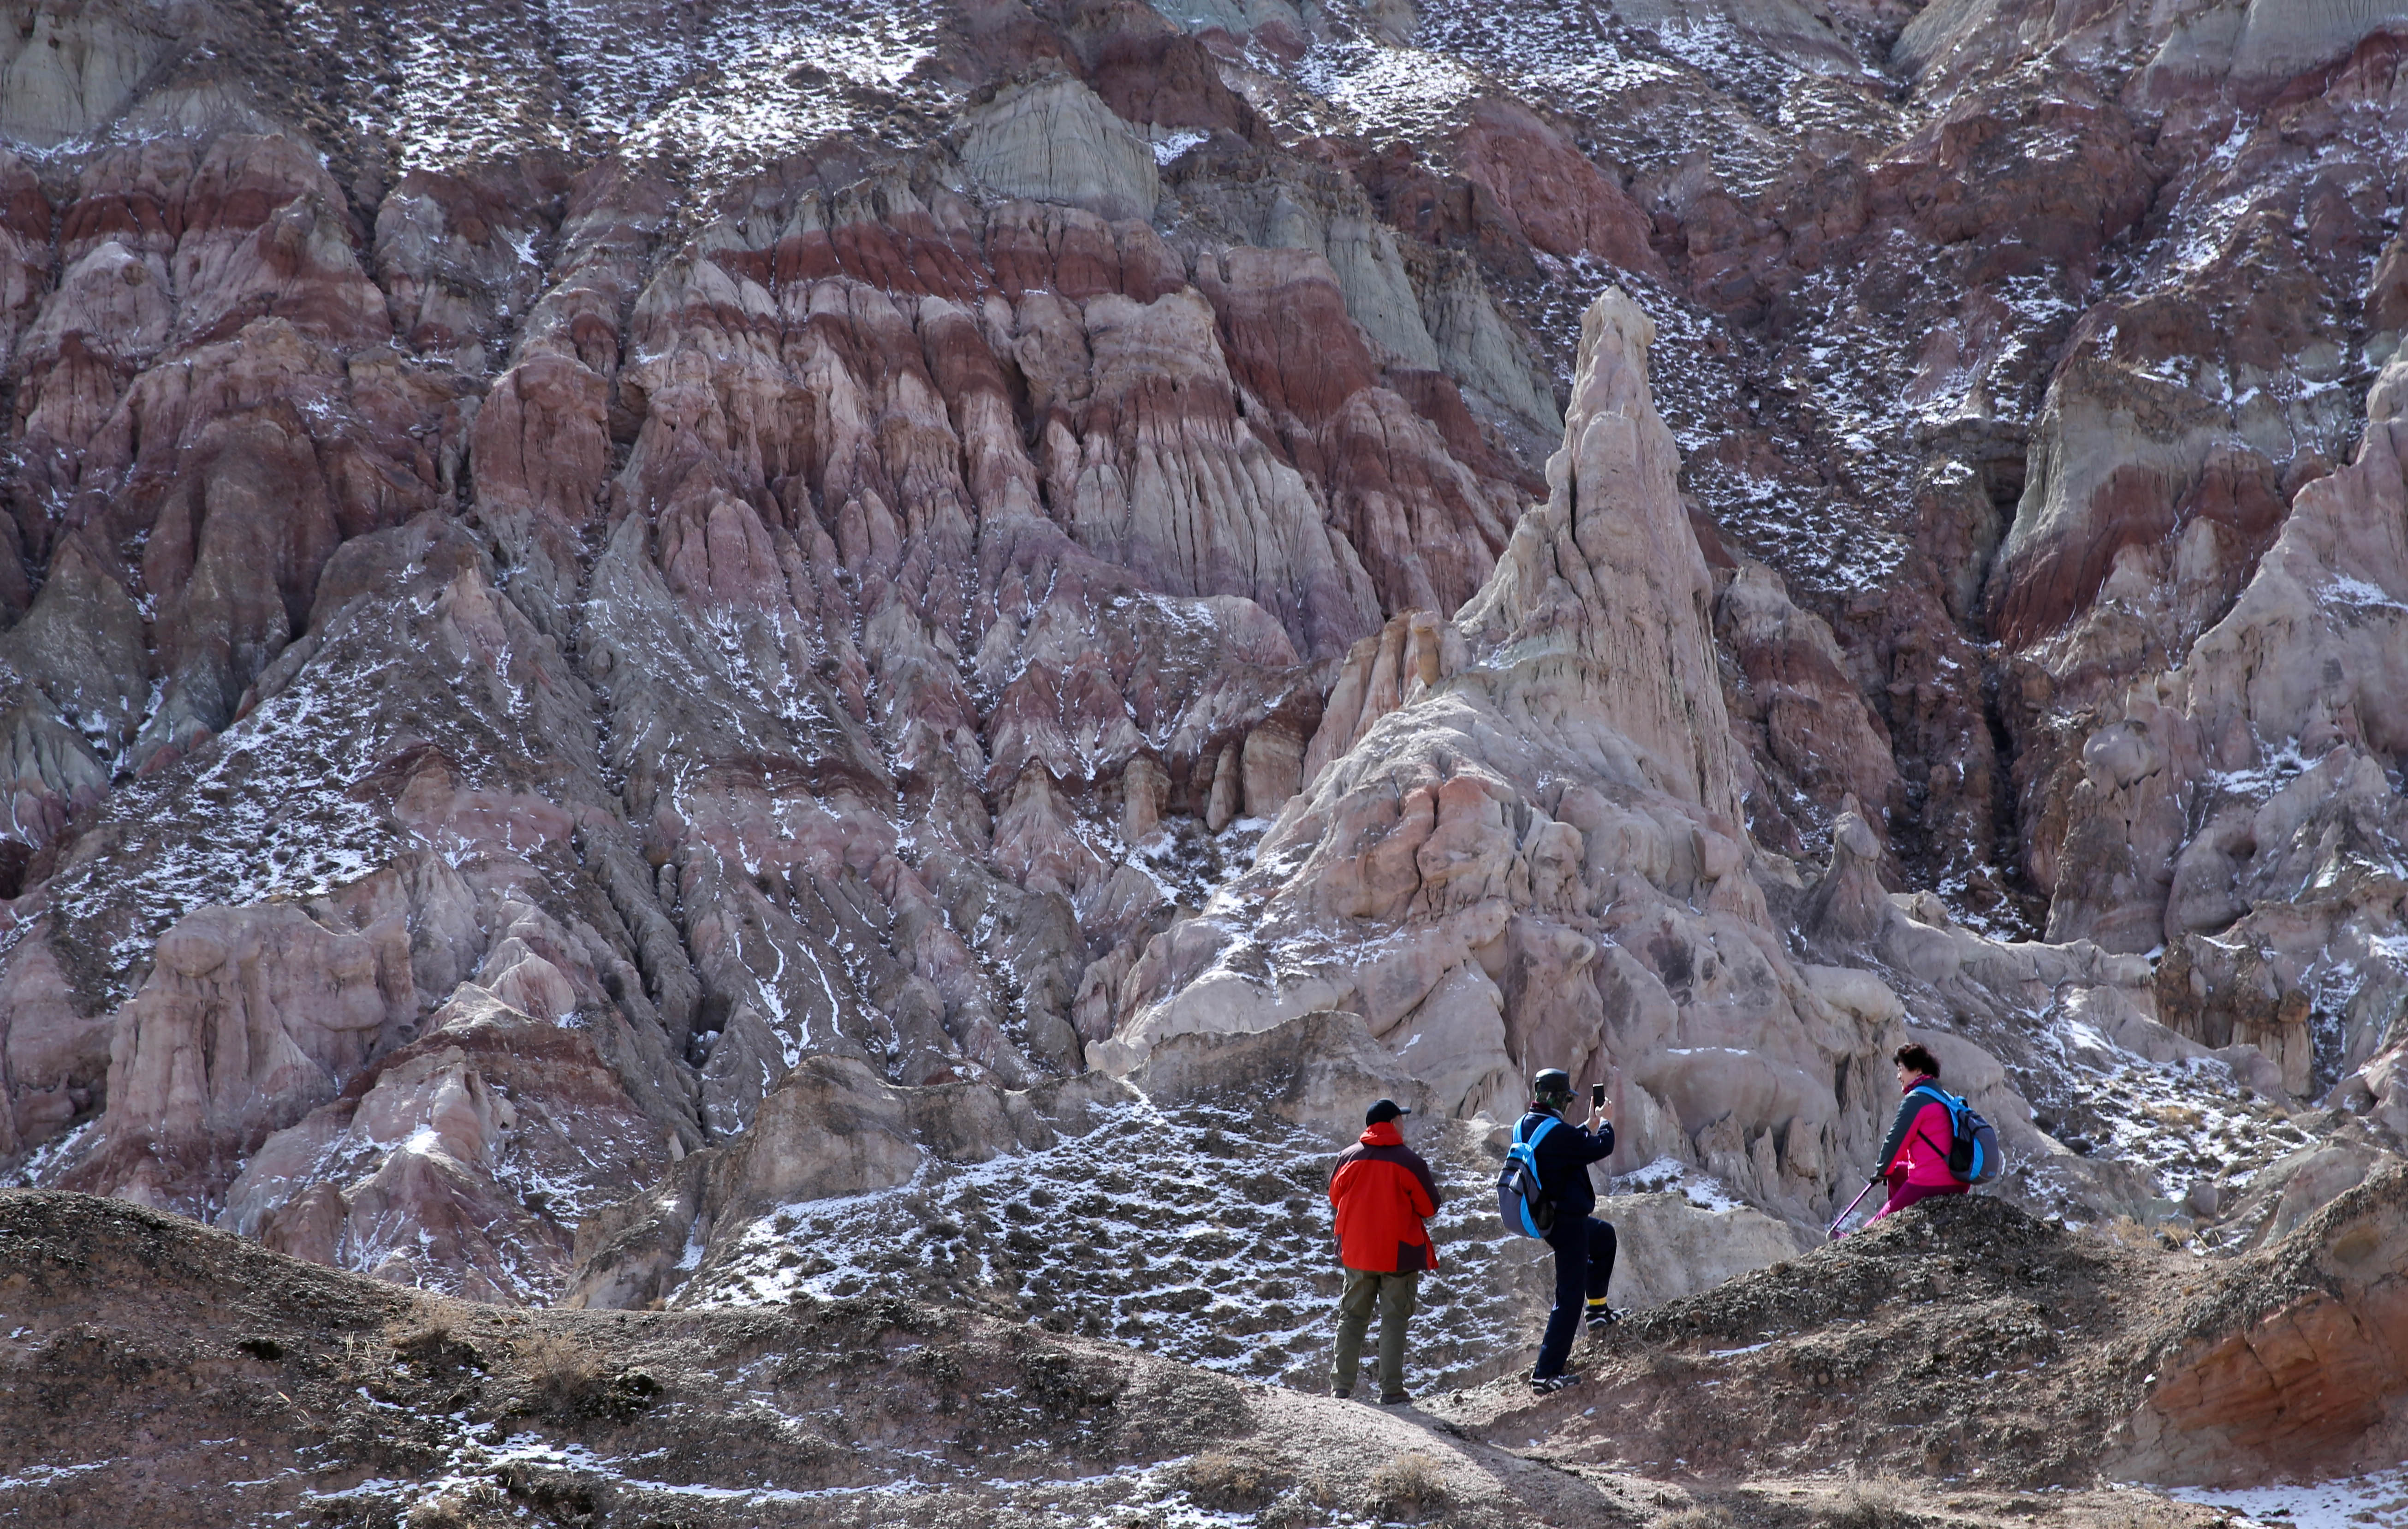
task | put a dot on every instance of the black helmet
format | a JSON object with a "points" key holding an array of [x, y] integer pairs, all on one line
{"points": [[1552, 1084]]}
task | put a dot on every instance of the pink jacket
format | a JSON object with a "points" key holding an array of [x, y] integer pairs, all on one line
{"points": [[1922, 1156]]}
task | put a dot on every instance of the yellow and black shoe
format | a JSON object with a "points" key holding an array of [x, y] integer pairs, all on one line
{"points": [[1602, 1316]]}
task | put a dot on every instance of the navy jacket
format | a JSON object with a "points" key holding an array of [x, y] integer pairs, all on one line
{"points": [[1563, 1157]]}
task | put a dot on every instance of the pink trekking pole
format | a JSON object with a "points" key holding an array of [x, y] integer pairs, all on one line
{"points": [[1851, 1207]]}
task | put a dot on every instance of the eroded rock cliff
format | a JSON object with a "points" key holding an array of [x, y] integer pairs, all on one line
{"points": [[678, 600]]}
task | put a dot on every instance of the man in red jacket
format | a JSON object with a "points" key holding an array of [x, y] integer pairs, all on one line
{"points": [[1383, 1192]]}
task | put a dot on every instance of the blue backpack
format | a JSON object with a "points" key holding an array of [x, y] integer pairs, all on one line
{"points": [[1522, 1202], [1973, 1155]]}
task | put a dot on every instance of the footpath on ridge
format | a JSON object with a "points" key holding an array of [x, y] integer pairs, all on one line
{"points": [[1929, 1370]]}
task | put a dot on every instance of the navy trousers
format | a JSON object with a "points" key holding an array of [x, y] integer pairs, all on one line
{"points": [[1584, 1266]]}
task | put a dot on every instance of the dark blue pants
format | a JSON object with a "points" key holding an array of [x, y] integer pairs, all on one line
{"points": [[1584, 1266]]}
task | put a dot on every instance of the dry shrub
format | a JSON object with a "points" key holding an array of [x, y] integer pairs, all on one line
{"points": [[1294, 1512], [2128, 1232], [1876, 1503], [1693, 1518], [568, 1382], [560, 1371], [436, 1330], [437, 1345], [1319, 1491], [444, 1512], [1412, 1485], [1310, 1501], [1229, 1481], [1304, 1506]]}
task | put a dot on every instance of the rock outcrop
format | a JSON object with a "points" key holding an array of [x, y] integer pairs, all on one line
{"points": [[495, 695], [1530, 854], [1054, 141], [573, 592], [2299, 1372], [2228, 807]]}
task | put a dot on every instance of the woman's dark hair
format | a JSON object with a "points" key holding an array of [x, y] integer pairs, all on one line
{"points": [[1914, 1058]]}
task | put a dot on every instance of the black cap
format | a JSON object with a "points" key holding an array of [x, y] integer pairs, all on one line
{"points": [[1552, 1083], [1386, 1109]]}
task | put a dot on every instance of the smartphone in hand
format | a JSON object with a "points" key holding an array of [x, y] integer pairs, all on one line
{"points": [[1597, 1095]]}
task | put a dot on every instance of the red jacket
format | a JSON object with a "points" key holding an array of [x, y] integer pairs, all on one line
{"points": [[1382, 1189]]}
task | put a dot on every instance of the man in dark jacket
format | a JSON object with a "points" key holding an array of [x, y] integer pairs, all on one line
{"points": [[1583, 1244], [1383, 1193]]}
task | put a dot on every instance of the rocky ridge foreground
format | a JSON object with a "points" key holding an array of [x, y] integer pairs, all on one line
{"points": [[302, 1391], [762, 605]]}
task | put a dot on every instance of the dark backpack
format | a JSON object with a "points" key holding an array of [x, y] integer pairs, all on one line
{"points": [[1974, 1156], [1522, 1200]]}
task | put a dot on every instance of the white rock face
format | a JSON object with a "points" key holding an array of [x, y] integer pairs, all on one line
{"points": [[1479, 349], [249, 1017], [69, 71], [1054, 141], [1670, 1247], [1520, 846], [1333, 219], [2236, 810], [1602, 600], [2260, 42]]}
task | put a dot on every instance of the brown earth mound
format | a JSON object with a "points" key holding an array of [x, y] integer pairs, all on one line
{"points": [[1921, 1376], [156, 1372], [1965, 1339], [1960, 1338]]}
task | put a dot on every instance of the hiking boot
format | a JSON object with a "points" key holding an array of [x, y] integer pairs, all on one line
{"points": [[1601, 1317], [1342, 1396], [1546, 1385], [1396, 1398]]}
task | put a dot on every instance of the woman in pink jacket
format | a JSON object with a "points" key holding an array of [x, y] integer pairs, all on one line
{"points": [[1914, 1159]]}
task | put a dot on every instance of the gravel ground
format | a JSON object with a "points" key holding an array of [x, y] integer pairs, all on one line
{"points": [[1926, 1375]]}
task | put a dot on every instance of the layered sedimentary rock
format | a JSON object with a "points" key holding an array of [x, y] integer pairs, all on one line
{"points": [[574, 590], [2302, 1374], [500, 684], [2234, 810], [1533, 855], [1057, 142]]}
